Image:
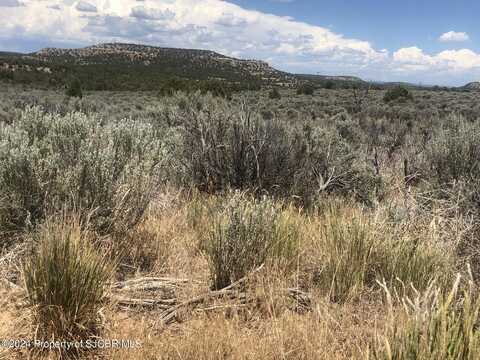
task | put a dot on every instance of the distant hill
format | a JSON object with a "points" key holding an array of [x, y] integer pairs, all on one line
{"points": [[118, 66], [472, 86], [327, 81], [139, 67], [9, 54]]}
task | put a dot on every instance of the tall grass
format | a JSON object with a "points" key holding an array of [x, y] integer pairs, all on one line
{"points": [[347, 248], [354, 250], [433, 325], [65, 280]]}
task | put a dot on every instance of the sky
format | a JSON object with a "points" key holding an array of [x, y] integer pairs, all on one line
{"points": [[419, 41]]}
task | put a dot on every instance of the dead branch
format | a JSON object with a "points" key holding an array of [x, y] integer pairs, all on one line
{"points": [[127, 294], [144, 303], [171, 313], [146, 282], [303, 301], [167, 300]]}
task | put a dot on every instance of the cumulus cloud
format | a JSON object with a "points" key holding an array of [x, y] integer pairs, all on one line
{"points": [[86, 7], [414, 59], [460, 60], [224, 27], [228, 19], [142, 12], [454, 36]]}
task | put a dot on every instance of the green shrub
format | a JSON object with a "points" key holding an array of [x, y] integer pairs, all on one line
{"points": [[240, 150], [454, 152], [274, 94], [451, 161], [328, 164], [65, 280], [217, 88], [433, 326], [74, 89], [397, 93], [245, 235], [329, 85], [229, 146], [48, 162], [305, 89]]}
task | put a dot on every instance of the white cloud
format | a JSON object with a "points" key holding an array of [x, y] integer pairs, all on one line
{"points": [[142, 12], [414, 59], [453, 36], [86, 7], [224, 27], [229, 19], [460, 60]]}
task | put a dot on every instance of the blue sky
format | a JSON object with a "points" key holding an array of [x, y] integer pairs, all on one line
{"points": [[387, 24], [435, 42]]}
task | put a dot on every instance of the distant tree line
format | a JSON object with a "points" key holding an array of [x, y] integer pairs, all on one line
{"points": [[167, 78]]}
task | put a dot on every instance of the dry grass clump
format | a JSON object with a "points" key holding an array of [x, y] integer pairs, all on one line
{"points": [[433, 325], [246, 234], [145, 248], [199, 210], [65, 282], [354, 250]]}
